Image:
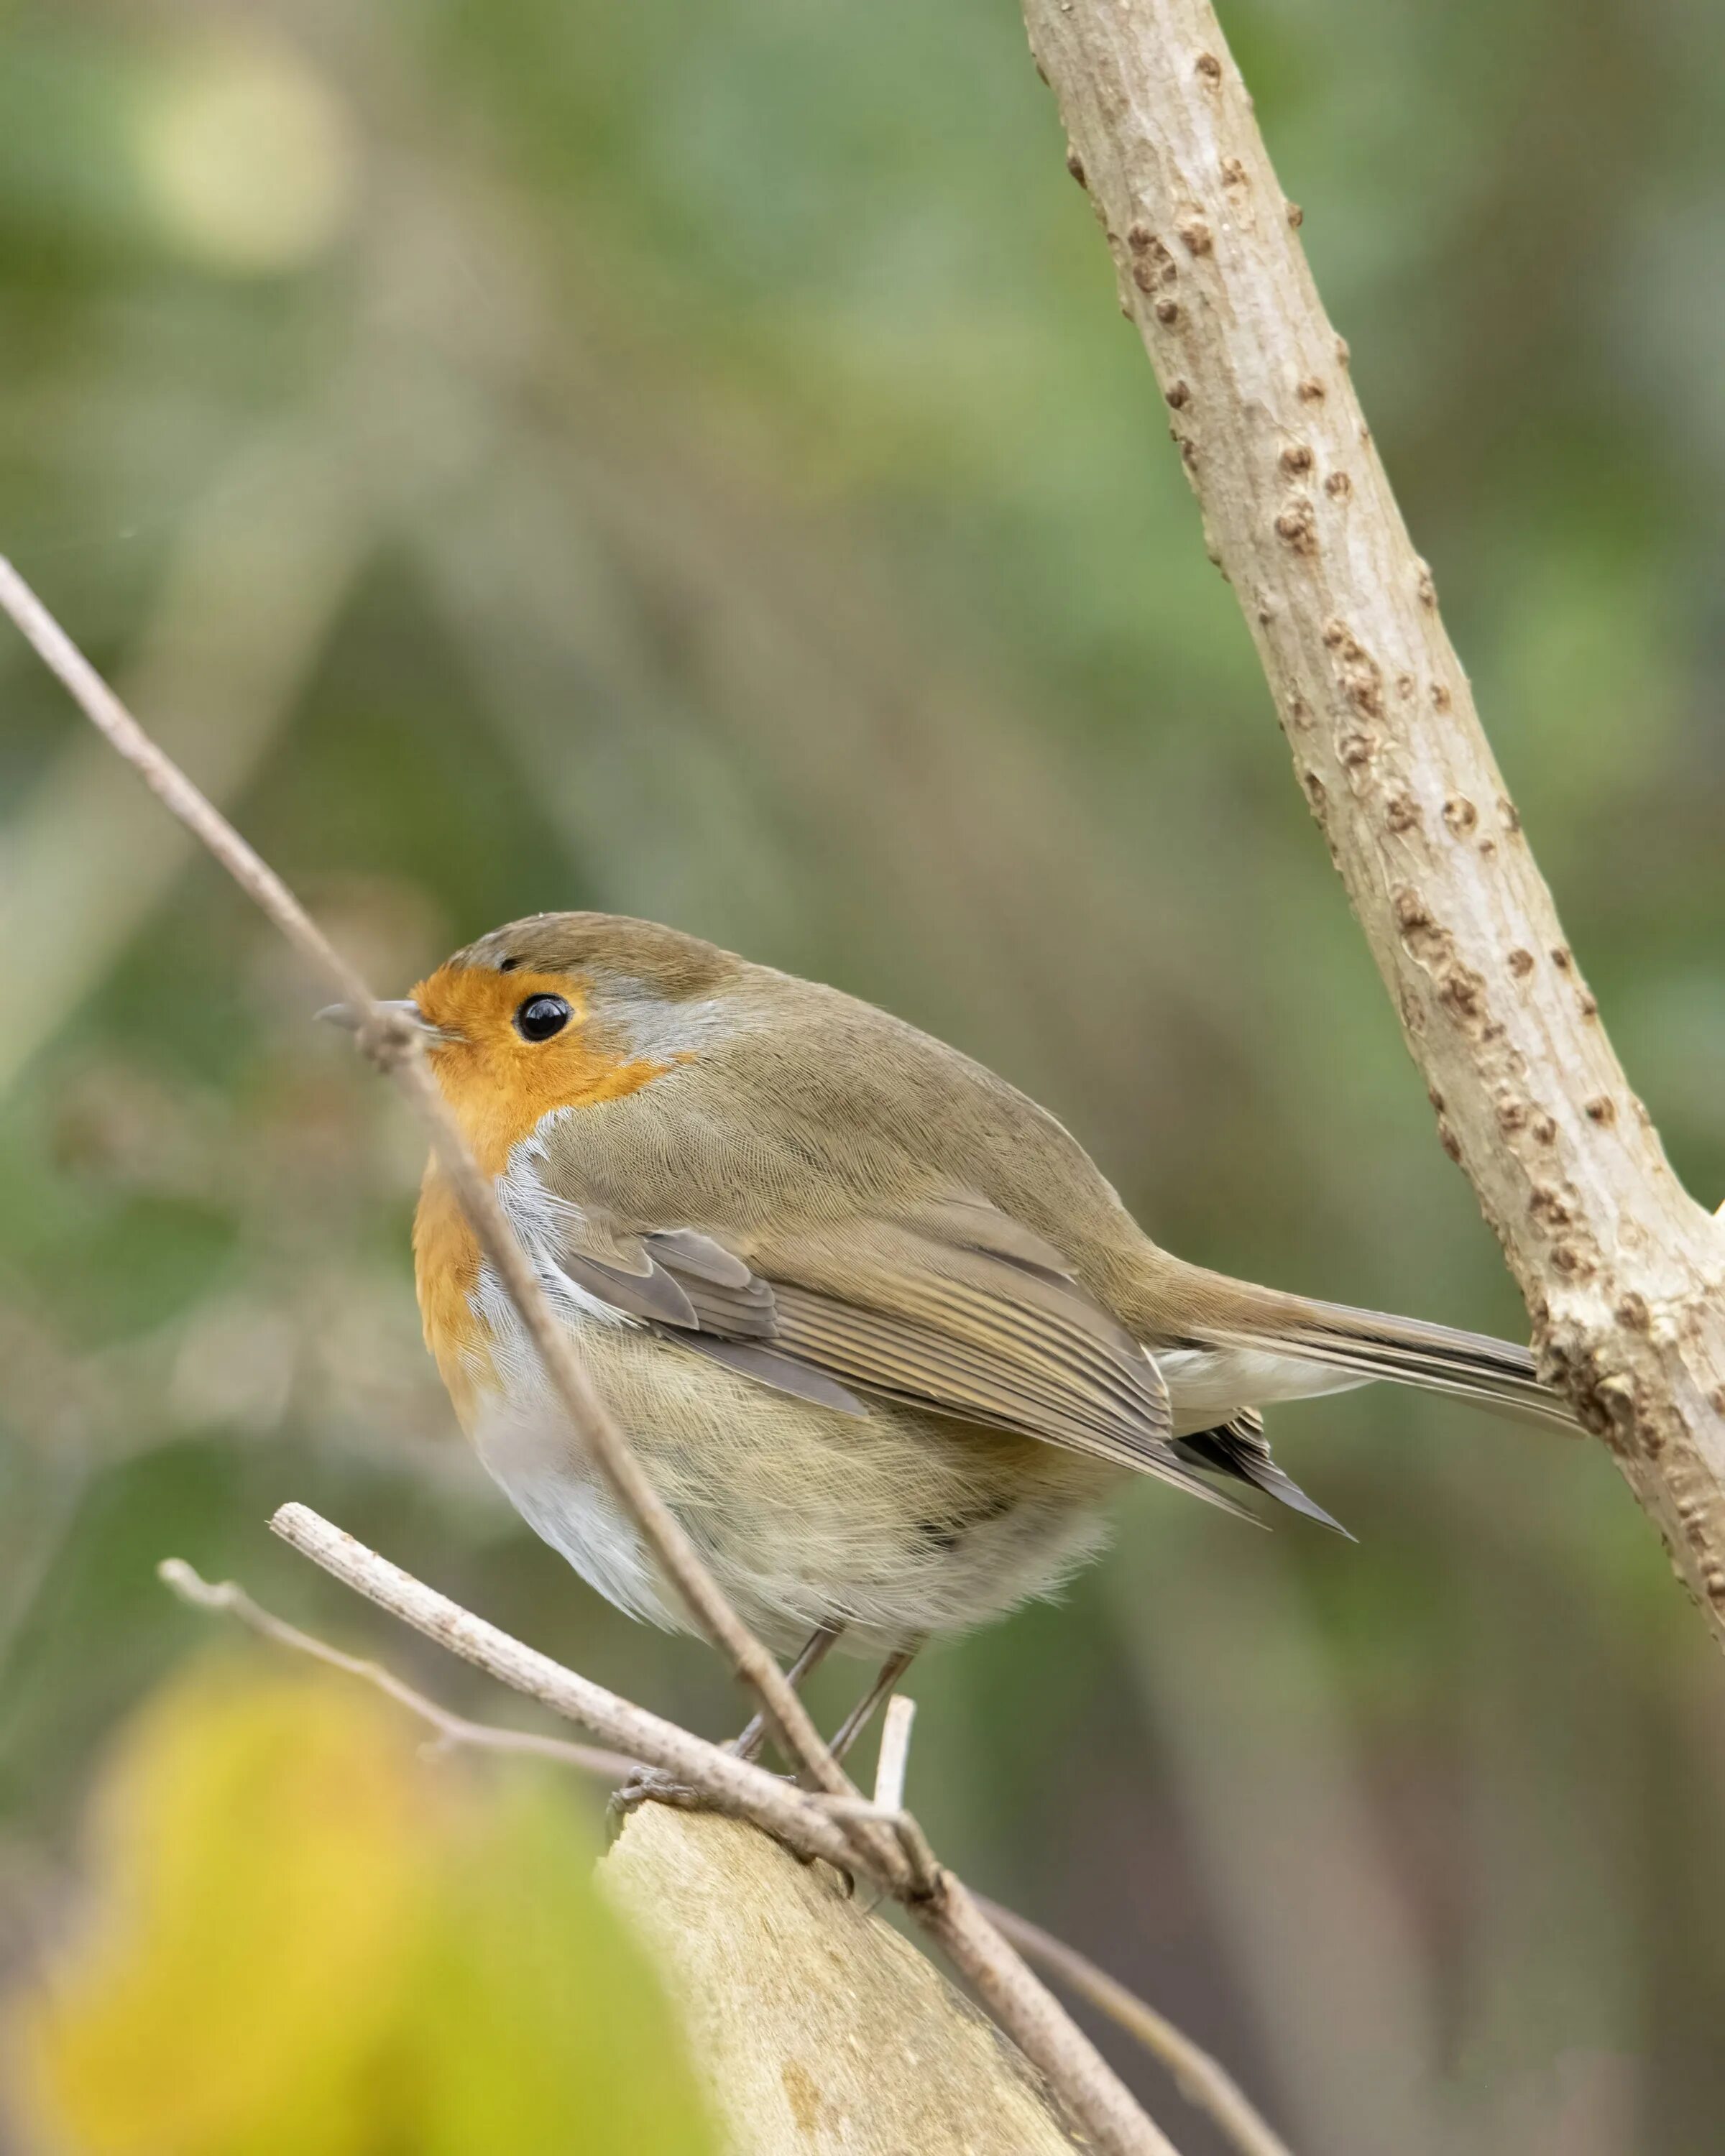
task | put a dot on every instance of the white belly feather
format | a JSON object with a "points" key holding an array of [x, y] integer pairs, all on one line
{"points": [[522, 1434]]}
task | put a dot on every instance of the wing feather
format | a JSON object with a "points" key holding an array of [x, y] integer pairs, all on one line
{"points": [[655, 1296], [952, 1308]]}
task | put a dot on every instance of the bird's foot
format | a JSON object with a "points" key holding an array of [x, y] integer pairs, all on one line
{"points": [[653, 1785]]}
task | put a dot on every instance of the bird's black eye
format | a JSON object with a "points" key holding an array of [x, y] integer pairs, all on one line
{"points": [[541, 1017]]}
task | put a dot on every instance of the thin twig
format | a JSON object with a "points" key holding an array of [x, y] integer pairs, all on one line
{"points": [[1202, 2080], [735, 1786], [394, 1044], [927, 1874], [813, 1652], [170, 784], [894, 1755], [1098, 2099], [792, 1727], [229, 1598]]}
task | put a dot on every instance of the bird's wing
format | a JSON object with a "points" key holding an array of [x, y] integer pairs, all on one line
{"points": [[949, 1305]]}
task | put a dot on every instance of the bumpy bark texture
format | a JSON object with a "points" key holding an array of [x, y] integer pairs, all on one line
{"points": [[1622, 1271]]}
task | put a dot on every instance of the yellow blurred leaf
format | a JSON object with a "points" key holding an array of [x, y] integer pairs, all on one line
{"points": [[302, 1940], [540, 2012], [255, 1852]]}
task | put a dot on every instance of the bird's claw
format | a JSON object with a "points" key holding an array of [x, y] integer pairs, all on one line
{"points": [[652, 1785]]}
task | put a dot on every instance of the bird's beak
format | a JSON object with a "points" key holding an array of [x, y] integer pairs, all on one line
{"points": [[352, 1016]]}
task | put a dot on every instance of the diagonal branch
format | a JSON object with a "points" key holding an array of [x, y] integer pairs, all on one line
{"points": [[1097, 2096], [1203, 2081], [1623, 1273], [395, 1047]]}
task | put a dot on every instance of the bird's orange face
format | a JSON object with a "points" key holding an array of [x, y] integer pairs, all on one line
{"points": [[509, 1048]]}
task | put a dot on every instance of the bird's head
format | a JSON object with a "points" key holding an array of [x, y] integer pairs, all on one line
{"points": [[562, 1010]]}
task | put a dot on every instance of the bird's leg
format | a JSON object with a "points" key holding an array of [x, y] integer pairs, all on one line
{"points": [[854, 1724], [653, 1785], [813, 1653]]}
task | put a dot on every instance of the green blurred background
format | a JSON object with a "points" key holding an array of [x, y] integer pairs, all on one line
{"points": [[686, 459]]}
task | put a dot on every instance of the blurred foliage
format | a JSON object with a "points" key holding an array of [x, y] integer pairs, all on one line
{"points": [[303, 1937], [686, 459]]}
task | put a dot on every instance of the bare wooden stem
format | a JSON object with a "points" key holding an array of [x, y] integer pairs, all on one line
{"points": [[736, 1786], [792, 1726], [1201, 2079], [171, 786], [1624, 1275], [895, 1753], [231, 1599]]}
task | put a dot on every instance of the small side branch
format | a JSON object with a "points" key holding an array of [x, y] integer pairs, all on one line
{"points": [[453, 1730], [735, 1786], [894, 1755], [1202, 2080]]}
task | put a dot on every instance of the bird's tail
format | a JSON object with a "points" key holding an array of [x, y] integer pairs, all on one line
{"points": [[1227, 1349], [1364, 1344], [1410, 1351]]}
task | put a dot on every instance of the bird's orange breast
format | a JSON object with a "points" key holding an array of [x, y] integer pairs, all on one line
{"points": [[500, 1089], [446, 1259]]}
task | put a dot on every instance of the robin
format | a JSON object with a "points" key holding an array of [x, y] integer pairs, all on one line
{"points": [[881, 1331]]}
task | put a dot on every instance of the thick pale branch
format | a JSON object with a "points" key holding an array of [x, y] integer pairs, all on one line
{"points": [[1622, 1272]]}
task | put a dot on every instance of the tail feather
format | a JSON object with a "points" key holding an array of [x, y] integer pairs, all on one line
{"points": [[1240, 1449], [1373, 1343], [1225, 1348], [1408, 1350]]}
